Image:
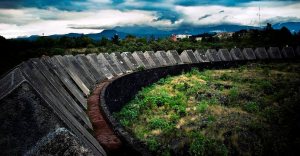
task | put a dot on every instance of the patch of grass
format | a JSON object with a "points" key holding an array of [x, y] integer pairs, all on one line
{"points": [[233, 94], [252, 107], [203, 146], [248, 110], [202, 106]]}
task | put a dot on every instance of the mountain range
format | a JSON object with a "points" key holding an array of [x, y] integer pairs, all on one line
{"points": [[147, 31]]}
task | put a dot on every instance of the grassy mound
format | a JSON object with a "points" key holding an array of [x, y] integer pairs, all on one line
{"points": [[250, 110]]}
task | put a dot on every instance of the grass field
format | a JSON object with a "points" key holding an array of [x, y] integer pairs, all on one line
{"points": [[250, 110]]}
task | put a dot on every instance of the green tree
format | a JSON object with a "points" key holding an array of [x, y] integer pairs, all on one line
{"points": [[104, 41], [116, 39]]}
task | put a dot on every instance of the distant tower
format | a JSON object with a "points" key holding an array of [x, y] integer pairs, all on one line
{"points": [[259, 16], [259, 24]]}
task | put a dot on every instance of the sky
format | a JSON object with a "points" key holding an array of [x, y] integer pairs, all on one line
{"points": [[46, 17]]}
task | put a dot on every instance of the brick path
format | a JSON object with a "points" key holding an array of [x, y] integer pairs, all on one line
{"points": [[102, 131]]}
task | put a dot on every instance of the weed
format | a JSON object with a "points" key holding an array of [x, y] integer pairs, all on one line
{"points": [[140, 68], [202, 106], [233, 94]]}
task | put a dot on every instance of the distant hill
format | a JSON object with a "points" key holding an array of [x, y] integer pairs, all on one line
{"points": [[147, 31], [292, 26]]}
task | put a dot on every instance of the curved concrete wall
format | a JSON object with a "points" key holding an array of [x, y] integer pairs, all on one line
{"points": [[41, 96]]}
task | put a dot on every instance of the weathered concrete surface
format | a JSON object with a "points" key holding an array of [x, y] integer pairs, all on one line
{"points": [[10, 82], [249, 54], [86, 69], [66, 100], [83, 87], [288, 52], [261, 53], [224, 55], [174, 57], [141, 59], [36, 107], [187, 56], [108, 61], [59, 142], [80, 70], [116, 56], [200, 55], [274, 53], [130, 61], [99, 66], [25, 118], [236, 54], [162, 55], [212, 55], [152, 59], [69, 84], [85, 62]]}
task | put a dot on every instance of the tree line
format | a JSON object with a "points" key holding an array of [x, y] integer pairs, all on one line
{"points": [[14, 51]]}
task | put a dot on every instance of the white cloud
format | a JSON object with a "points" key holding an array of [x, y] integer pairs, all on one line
{"points": [[34, 21], [245, 15], [31, 21]]}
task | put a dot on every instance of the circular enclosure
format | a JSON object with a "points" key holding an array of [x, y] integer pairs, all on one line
{"points": [[122, 90]]}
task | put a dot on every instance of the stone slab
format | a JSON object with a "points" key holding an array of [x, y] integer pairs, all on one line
{"points": [[274, 53], [86, 68], [73, 66], [81, 71], [224, 55], [191, 55], [83, 87], [236, 54], [174, 57], [249, 54], [66, 100], [42, 94], [130, 61], [152, 59], [200, 55], [212, 55], [162, 61], [108, 61], [69, 84], [116, 56], [99, 66], [25, 118], [141, 59], [10, 82], [86, 64], [261, 53], [63, 141], [187, 56], [288, 52], [161, 55]]}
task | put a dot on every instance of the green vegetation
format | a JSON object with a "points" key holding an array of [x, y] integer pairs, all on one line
{"points": [[14, 51], [250, 110]]}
